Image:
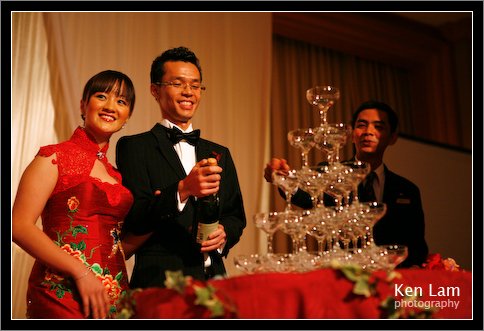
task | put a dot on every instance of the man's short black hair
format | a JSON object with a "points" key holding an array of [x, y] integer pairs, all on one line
{"points": [[374, 104], [174, 54]]}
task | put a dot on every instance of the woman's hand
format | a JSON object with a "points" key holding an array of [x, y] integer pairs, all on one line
{"points": [[94, 296]]}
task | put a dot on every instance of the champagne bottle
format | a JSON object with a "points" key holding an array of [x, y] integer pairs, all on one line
{"points": [[207, 212]]}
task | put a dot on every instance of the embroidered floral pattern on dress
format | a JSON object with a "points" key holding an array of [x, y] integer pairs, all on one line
{"points": [[62, 285], [115, 233]]}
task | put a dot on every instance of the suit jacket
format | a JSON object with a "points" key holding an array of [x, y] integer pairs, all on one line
{"points": [[148, 162], [403, 223]]}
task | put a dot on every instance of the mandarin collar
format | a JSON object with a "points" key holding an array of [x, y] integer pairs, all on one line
{"points": [[85, 141]]}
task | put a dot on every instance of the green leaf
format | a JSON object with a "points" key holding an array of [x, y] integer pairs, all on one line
{"points": [[203, 295], [125, 313], [362, 287], [217, 309], [82, 245], [60, 293], [97, 268], [389, 307], [393, 275], [175, 280], [78, 229], [353, 271]]}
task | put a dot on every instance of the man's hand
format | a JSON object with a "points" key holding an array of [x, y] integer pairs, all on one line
{"points": [[203, 180], [275, 165], [215, 240]]}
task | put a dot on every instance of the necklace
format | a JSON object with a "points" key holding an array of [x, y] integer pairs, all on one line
{"points": [[84, 139]]}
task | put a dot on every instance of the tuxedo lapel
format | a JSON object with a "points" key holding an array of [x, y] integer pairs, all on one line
{"points": [[165, 147]]}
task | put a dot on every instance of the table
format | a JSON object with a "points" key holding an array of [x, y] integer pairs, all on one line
{"points": [[319, 294]]}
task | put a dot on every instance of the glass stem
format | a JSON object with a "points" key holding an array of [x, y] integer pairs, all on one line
{"points": [[355, 244], [269, 244], [369, 237], [323, 114], [336, 154], [302, 244], [304, 156], [288, 201], [295, 244], [321, 245], [355, 194], [330, 156]]}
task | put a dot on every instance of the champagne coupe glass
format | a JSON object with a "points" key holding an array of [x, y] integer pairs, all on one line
{"points": [[323, 97], [344, 183], [347, 233], [322, 176], [281, 262], [269, 223], [294, 225], [385, 257], [372, 213], [247, 263], [360, 170], [394, 255], [320, 229], [313, 182], [304, 140], [333, 222], [332, 138], [352, 230], [288, 182]]}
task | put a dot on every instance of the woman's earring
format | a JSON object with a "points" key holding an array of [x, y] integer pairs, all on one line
{"points": [[83, 120], [124, 125]]}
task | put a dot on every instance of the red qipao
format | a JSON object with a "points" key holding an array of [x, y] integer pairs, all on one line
{"points": [[83, 216]]}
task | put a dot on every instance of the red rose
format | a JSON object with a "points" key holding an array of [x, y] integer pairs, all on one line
{"points": [[450, 264], [73, 204], [216, 155], [434, 262]]}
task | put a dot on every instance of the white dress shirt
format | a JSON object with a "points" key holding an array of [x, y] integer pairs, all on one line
{"points": [[186, 154], [188, 158]]}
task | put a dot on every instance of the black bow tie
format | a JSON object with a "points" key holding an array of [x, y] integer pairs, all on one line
{"points": [[176, 135]]}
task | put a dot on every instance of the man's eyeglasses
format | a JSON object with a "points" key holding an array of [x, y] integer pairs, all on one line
{"points": [[182, 86]]}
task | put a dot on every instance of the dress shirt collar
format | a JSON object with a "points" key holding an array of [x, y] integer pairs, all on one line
{"points": [[166, 123]]}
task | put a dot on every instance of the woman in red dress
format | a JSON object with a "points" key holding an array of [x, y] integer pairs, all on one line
{"points": [[80, 270]]}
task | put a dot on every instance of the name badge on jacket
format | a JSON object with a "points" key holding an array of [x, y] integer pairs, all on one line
{"points": [[403, 201]]}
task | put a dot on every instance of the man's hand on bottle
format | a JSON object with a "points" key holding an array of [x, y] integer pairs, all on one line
{"points": [[203, 180], [215, 240]]}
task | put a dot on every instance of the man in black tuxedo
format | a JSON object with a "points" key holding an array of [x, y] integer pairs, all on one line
{"points": [[374, 129], [167, 170]]}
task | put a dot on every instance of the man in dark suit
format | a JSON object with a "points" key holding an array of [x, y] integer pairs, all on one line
{"points": [[374, 129], [167, 170]]}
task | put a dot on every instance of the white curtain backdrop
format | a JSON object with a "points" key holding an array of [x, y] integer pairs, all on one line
{"points": [[55, 53], [32, 116]]}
